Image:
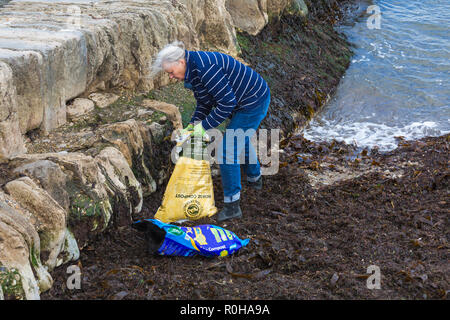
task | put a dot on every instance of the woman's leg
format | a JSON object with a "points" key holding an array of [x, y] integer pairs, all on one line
{"points": [[236, 140]]}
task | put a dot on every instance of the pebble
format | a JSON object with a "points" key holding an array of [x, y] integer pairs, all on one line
{"points": [[334, 279]]}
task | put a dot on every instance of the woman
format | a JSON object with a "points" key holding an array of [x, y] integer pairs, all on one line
{"points": [[223, 88]]}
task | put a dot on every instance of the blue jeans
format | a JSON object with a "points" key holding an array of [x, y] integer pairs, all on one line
{"points": [[234, 144]]}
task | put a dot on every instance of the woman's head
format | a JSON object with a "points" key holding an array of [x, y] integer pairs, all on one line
{"points": [[171, 60]]}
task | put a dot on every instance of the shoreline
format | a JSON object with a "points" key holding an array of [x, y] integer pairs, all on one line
{"points": [[328, 214]]}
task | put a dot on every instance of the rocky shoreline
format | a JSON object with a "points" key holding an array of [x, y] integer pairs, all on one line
{"points": [[105, 168], [329, 213]]}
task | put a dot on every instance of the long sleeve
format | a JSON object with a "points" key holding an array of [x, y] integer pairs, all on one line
{"points": [[221, 85], [202, 109], [218, 87]]}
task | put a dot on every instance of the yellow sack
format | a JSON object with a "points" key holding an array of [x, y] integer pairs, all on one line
{"points": [[189, 194]]}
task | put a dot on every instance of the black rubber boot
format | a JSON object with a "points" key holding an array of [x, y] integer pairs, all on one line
{"points": [[255, 184], [230, 210]]}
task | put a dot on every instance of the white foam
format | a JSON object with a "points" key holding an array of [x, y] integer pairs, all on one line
{"points": [[363, 59], [397, 75], [369, 134]]}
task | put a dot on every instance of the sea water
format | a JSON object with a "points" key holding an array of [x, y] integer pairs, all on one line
{"points": [[398, 81]]}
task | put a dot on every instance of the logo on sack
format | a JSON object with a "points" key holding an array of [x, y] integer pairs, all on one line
{"points": [[175, 231], [192, 209]]}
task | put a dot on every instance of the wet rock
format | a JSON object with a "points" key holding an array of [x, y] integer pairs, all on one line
{"points": [[300, 7]]}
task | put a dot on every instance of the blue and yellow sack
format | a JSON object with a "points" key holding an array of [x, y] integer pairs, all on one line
{"points": [[207, 240]]}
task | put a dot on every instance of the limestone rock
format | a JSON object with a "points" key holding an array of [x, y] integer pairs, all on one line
{"points": [[51, 178], [87, 46], [248, 15], [90, 208], [79, 107], [170, 110], [15, 255], [276, 7], [132, 139], [216, 31], [49, 68], [20, 250], [101, 188], [102, 100], [157, 130], [121, 178], [100, 45], [48, 217], [70, 250], [11, 141]]}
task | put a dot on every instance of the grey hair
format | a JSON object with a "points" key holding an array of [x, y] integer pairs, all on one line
{"points": [[170, 53]]}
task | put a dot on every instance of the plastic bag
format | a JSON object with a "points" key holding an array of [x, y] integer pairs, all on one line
{"points": [[207, 240], [189, 194]]}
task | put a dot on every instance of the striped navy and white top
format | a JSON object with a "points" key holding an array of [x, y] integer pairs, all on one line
{"points": [[223, 83]]}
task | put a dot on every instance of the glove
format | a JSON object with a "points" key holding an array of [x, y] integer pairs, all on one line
{"points": [[189, 128], [198, 130]]}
